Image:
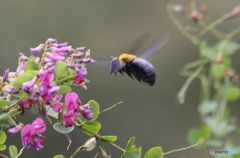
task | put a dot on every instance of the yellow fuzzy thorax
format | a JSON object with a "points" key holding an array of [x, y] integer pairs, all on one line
{"points": [[127, 57]]}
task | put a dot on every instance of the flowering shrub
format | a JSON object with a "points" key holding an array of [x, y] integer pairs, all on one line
{"points": [[43, 84]]}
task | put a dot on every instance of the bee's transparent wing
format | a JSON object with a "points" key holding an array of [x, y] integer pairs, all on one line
{"points": [[103, 64], [140, 43], [154, 49]]}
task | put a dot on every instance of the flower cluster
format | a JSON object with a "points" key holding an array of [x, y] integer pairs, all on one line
{"points": [[42, 80], [31, 133]]}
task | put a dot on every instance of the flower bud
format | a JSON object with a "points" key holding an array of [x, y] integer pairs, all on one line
{"points": [[219, 59], [233, 14], [196, 16], [90, 144]]}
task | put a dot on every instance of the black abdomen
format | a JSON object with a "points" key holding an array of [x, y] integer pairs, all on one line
{"points": [[142, 70]]}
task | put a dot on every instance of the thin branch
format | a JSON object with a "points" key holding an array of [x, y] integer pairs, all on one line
{"points": [[99, 137], [196, 63], [3, 156], [233, 33], [69, 141], [213, 25], [20, 152], [111, 107], [185, 148], [11, 106], [188, 35], [182, 93], [76, 151]]}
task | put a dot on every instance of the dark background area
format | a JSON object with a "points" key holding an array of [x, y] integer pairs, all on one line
{"points": [[106, 26]]}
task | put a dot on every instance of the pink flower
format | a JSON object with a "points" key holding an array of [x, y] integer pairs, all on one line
{"points": [[72, 105], [86, 111], [27, 86], [57, 106], [16, 129], [60, 45], [31, 134], [62, 50], [26, 103], [71, 101], [69, 118], [37, 50], [81, 77], [6, 75], [47, 77], [56, 57]]}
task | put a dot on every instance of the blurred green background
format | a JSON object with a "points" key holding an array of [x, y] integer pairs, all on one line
{"points": [[106, 26]]}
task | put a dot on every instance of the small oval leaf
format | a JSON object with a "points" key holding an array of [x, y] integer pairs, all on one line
{"points": [[92, 127], [4, 103], [61, 70], [59, 156], [60, 128], [64, 89], [3, 137], [155, 152], [109, 138], [13, 151], [26, 76], [3, 147]]}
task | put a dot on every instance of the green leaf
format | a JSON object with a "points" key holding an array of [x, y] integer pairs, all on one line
{"points": [[228, 47], [3, 147], [4, 103], [3, 137], [196, 135], [60, 128], [109, 138], [51, 112], [131, 151], [59, 156], [95, 108], [30, 65], [26, 76], [217, 71], [208, 51], [155, 152], [13, 151], [237, 155], [6, 115], [92, 127], [61, 70], [21, 95], [64, 89], [231, 92], [5, 124], [207, 107]]}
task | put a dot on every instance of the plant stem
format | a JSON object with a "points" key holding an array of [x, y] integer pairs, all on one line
{"points": [[181, 94], [98, 137], [233, 33], [20, 152], [3, 156], [188, 35], [111, 107], [213, 25], [185, 148], [11, 106]]}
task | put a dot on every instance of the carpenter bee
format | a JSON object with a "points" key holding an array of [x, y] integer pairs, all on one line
{"points": [[138, 67]]}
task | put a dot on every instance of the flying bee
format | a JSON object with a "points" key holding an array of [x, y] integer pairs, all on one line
{"points": [[138, 67]]}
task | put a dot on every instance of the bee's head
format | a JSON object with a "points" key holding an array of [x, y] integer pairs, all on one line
{"points": [[116, 65]]}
